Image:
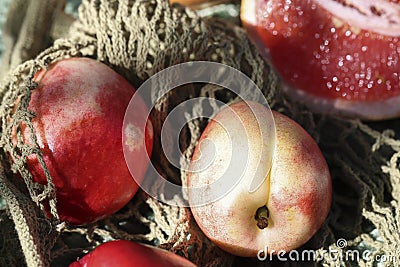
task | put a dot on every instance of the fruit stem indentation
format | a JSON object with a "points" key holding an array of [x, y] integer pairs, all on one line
{"points": [[262, 215]]}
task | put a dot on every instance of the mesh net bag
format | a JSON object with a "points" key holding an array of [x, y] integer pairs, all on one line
{"points": [[138, 39]]}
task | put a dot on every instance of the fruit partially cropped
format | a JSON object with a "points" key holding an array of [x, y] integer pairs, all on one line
{"points": [[123, 253], [285, 209], [79, 108], [339, 57]]}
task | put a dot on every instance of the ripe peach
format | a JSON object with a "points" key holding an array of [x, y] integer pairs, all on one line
{"points": [[293, 196], [79, 108]]}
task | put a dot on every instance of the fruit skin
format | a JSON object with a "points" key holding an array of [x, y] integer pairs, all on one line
{"points": [[123, 253], [330, 65], [297, 190], [79, 106]]}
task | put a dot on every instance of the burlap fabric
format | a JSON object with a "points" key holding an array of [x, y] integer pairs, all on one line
{"points": [[138, 39]]}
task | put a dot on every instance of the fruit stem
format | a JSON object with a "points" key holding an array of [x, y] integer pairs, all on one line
{"points": [[262, 215]]}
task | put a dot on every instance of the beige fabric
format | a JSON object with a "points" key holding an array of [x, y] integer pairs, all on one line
{"points": [[138, 39]]}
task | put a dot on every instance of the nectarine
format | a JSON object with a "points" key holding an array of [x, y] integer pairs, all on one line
{"points": [[339, 57], [123, 253], [292, 198], [79, 107]]}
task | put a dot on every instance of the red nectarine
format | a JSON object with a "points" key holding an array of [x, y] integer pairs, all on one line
{"points": [[79, 108], [339, 57], [123, 253]]}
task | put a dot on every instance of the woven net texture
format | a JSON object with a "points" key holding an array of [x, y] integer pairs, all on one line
{"points": [[138, 39]]}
